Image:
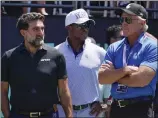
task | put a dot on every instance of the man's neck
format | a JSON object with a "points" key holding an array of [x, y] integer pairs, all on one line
{"points": [[76, 44], [132, 38]]}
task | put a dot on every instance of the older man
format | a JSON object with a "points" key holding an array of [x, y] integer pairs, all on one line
{"points": [[131, 66], [83, 60]]}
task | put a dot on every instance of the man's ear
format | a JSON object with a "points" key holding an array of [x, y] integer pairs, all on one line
{"points": [[68, 27], [143, 22], [22, 32]]}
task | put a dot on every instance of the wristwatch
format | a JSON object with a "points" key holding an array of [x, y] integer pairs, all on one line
{"points": [[109, 102]]}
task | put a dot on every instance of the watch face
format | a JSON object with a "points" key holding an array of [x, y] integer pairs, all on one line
{"points": [[104, 106], [109, 102]]}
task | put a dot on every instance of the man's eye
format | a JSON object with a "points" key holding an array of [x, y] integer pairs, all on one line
{"points": [[35, 29], [42, 28], [128, 20]]}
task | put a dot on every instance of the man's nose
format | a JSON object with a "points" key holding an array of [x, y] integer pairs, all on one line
{"points": [[85, 29], [41, 32]]}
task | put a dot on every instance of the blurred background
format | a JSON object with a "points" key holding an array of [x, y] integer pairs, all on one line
{"points": [[105, 13]]}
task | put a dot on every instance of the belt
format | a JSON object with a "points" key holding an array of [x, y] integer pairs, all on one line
{"points": [[36, 114], [80, 107], [124, 102]]}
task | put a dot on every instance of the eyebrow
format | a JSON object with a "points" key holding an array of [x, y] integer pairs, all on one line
{"points": [[39, 27]]}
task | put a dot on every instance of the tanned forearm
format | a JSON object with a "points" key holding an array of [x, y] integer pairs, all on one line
{"points": [[131, 81], [138, 79], [111, 76], [5, 105], [66, 102]]}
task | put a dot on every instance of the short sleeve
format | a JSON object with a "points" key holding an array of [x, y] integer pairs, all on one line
{"points": [[110, 54], [102, 54], [151, 57], [5, 68], [61, 69]]}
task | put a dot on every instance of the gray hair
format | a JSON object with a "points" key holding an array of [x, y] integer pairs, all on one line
{"points": [[145, 28]]}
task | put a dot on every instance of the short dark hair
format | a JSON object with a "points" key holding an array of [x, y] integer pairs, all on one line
{"points": [[112, 32], [25, 19]]}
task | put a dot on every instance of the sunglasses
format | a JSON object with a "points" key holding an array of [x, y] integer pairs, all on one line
{"points": [[128, 20], [85, 25]]}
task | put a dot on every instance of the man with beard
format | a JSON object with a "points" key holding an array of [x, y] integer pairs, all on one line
{"points": [[34, 71], [83, 60]]}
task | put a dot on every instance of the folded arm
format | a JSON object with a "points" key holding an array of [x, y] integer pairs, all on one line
{"points": [[109, 75], [139, 79]]}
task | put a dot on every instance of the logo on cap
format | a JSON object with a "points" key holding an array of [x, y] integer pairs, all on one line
{"points": [[141, 14], [128, 6], [80, 15]]}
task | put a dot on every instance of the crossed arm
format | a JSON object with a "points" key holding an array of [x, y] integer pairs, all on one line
{"points": [[109, 75], [140, 78], [65, 97], [129, 75]]}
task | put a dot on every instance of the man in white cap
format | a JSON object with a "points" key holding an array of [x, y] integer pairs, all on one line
{"points": [[83, 60]]}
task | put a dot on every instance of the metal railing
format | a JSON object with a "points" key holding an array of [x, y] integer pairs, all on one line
{"points": [[112, 8], [36, 5], [65, 6], [73, 6]]}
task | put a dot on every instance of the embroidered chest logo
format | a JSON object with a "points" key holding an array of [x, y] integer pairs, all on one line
{"points": [[136, 55]]}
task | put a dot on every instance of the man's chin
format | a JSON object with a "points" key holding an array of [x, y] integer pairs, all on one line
{"points": [[84, 37], [37, 45]]}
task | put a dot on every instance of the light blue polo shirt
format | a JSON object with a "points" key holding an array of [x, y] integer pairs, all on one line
{"points": [[144, 52], [83, 71]]}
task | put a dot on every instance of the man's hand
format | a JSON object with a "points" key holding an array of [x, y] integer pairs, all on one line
{"points": [[130, 69], [107, 66], [108, 74], [97, 108]]}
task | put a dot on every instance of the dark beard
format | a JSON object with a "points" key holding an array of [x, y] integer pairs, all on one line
{"points": [[36, 43]]}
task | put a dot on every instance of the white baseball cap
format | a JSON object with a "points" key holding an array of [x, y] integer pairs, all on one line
{"points": [[78, 16]]}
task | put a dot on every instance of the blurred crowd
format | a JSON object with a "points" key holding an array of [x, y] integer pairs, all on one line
{"points": [[17, 11]]}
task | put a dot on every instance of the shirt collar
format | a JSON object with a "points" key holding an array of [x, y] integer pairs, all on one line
{"points": [[67, 43], [23, 48], [140, 39]]}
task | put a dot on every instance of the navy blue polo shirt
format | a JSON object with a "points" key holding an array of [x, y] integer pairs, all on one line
{"points": [[144, 52], [33, 79]]}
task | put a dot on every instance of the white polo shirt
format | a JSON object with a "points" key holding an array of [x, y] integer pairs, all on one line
{"points": [[82, 71]]}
